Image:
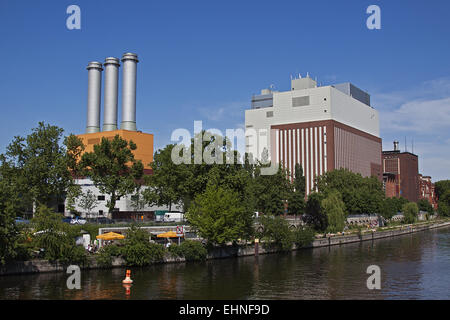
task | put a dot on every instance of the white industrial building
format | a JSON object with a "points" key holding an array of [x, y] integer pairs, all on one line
{"points": [[320, 127], [124, 204]]}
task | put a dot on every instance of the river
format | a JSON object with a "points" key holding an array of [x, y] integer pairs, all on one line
{"points": [[414, 266]]}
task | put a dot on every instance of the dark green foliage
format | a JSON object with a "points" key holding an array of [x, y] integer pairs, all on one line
{"points": [[314, 215], [276, 231], [440, 187], [425, 205], [190, 250], [410, 211], [108, 166], [360, 195], [392, 206], [334, 207], [272, 191], [296, 201], [56, 238], [137, 249], [304, 236], [220, 216], [444, 204], [105, 255], [40, 166]]}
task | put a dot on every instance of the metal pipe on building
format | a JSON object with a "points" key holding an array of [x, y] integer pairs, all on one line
{"points": [[94, 96], [129, 62], [111, 93]]}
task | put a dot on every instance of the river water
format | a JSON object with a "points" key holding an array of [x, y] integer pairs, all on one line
{"points": [[415, 266]]}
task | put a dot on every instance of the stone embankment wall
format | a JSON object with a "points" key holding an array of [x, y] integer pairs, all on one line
{"points": [[35, 266]]}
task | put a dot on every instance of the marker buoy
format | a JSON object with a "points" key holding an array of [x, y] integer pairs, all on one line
{"points": [[127, 277]]}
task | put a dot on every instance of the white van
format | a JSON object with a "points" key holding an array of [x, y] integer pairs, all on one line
{"points": [[173, 217]]}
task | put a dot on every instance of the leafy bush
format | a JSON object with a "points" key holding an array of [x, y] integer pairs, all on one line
{"points": [[138, 251], [410, 211], [142, 253], [105, 255], [190, 250], [304, 236], [276, 230], [193, 250]]}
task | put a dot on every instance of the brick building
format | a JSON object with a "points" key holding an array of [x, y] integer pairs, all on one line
{"points": [[401, 174], [426, 190]]}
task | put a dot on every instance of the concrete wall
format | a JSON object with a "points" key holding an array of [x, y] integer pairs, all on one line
{"points": [[226, 252]]}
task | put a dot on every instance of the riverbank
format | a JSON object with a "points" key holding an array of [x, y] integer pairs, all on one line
{"points": [[43, 266]]}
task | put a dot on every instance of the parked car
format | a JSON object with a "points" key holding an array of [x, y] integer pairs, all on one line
{"points": [[78, 220], [101, 220], [21, 220]]}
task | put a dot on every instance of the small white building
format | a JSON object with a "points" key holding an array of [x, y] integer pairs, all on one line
{"points": [[123, 204]]}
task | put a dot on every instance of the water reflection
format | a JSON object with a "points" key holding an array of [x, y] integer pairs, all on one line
{"points": [[412, 267]]}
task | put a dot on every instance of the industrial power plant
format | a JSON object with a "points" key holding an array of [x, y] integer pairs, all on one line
{"points": [[110, 128]]}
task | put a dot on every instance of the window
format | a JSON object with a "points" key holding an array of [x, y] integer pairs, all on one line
{"points": [[269, 114], [100, 212], [101, 198], [300, 101]]}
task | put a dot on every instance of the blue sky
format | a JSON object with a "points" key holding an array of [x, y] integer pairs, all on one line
{"points": [[202, 60]]}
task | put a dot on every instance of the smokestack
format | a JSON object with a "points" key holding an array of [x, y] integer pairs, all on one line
{"points": [[395, 145], [129, 62], [94, 95], [111, 94]]}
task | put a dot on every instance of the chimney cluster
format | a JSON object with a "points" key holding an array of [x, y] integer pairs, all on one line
{"points": [[111, 66]]}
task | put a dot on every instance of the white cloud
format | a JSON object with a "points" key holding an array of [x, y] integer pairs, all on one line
{"points": [[420, 114]]}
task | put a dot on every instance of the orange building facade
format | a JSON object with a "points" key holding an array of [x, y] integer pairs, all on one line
{"points": [[143, 141]]}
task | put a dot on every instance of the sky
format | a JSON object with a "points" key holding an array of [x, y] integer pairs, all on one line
{"points": [[203, 60]]}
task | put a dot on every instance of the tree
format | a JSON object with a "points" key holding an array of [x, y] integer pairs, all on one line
{"points": [[138, 200], [40, 166], [410, 211], [9, 209], [334, 207], [88, 202], [272, 191], [392, 206], [220, 216], [296, 202], [444, 204], [440, 187], [276, 230], [167, 185], [113, 169], [425, 205], [314, 215], [360, 195]]}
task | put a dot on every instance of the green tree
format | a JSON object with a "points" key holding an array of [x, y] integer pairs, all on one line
{"points": [[410, 211], [113, 169], [334, 207], [272, 191], [56, 238], [167, 184], [360, 195], [276, 230], [314, 214], [9, 209], [425, 205], [440, 187], [444, 204], [220, 216], [296, 203], [40, 166], [88, 202], [137, 249], [392, 206]]}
